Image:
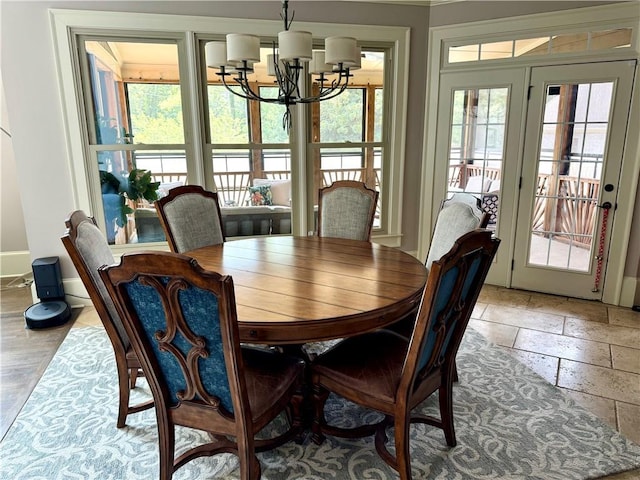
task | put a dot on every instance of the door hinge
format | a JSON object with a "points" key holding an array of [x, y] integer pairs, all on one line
{"points": [[520, 184], [529, 92], [513, 264]]}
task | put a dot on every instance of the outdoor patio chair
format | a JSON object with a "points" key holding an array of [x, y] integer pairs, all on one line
{"points": [[385, 372], [191, 218], [183, 325], [89, 250]]}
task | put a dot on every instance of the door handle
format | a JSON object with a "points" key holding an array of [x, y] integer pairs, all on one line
{"points": [[605, 205]]}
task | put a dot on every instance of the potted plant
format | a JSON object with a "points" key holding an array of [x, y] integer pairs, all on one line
{"points": [[137, 185]]}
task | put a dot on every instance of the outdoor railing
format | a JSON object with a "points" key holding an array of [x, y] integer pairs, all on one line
{"points": [[565, 206]]}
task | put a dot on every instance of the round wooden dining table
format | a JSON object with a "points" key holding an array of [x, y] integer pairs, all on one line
{"points": [[293, 290]]}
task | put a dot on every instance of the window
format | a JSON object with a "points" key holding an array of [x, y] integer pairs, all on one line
{"points": [[573, 42], [137, 138], [150, 116]]}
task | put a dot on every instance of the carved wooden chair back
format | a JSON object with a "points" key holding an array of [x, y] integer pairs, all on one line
{"points": [[89, 250], [191, 218], [183, 325], [346, 209]]}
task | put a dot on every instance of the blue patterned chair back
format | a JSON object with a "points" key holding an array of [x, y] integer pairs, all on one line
{"points": [[450, 295], [181, 320]]}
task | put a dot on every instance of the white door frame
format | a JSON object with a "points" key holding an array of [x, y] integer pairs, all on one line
{"points": [[625, 14]]}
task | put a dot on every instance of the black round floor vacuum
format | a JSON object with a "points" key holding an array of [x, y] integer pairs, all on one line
{"points": [[47, 314], [52, 310]]}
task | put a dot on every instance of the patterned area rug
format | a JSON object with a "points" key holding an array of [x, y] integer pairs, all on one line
{"points": [[510, 424]]}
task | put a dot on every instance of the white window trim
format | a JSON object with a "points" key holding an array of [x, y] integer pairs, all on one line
{"points": [[63, 22], [622, 14]]}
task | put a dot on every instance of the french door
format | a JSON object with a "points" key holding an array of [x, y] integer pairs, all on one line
{"points": [[574, 141], [478, 145], [541, 149]]}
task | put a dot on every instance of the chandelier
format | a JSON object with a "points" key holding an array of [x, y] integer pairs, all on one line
{"points": [[331, 67]]}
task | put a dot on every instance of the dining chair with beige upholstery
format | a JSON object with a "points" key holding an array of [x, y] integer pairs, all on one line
{"points": [[346, 209], [458, 215], [393, 375], [191, 218], [182, 322], [89, 250]]}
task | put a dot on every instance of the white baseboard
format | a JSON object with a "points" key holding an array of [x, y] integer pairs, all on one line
{"points": [[629, 287], [14, 264], [75, 293]]}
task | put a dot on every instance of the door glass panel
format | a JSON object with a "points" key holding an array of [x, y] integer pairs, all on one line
{"points": [[570, 165], [476, 154]]}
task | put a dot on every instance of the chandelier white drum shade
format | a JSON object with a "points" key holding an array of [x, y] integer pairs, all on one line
{"points": [[237, 56]]}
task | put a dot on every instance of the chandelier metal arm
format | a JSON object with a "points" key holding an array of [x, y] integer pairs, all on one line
{"points": [[285, 15]]}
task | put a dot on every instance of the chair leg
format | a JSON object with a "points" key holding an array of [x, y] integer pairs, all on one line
{"points": [[249, 463], [403, 459], [124, 392], [166, 445], [445, 394], [134, 373], [320, 396]]}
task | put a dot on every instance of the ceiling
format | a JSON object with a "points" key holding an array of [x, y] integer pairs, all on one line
{"points": [[421, 3]]}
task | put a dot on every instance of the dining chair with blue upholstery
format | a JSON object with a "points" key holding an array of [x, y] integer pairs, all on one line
{"points": [[182, 323], [459, 214], [346, 209], [89, 250], [388, 373], [191, 218]]}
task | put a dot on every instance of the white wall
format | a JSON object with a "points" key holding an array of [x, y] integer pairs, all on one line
{"points": [[13, 235]]}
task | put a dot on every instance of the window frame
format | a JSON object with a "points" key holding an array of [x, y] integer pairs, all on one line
{"points": [[188, 30]]}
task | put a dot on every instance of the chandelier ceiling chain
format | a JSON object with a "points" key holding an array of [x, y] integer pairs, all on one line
{"points": [[236, 58]]}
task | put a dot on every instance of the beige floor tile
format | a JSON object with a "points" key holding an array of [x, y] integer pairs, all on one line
{"points": [[544, 365], [624, 317], [519, 317], [587, 351], [625, 358], [624, 336], [495, 332], [629, 421], [478, 310], [503, 296], [600, 381], [582, 309], [88, 317], [603, 408]]}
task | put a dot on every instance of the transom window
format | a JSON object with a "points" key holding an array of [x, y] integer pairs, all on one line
{"points": [[589, 41]]}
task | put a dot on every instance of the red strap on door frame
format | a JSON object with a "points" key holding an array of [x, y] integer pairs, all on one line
{"points": [[603, 236]]}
